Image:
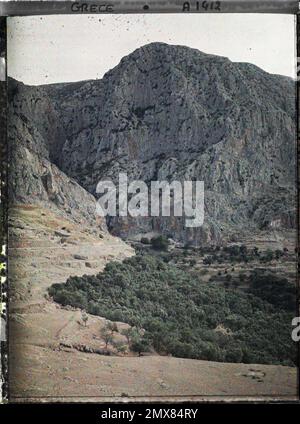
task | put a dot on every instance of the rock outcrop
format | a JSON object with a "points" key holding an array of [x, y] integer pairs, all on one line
{"points": [[35, 180], [172, 113]]}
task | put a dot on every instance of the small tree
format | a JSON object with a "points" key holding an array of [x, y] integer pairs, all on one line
{"points": [[120, 347], [84, 317], [140, 344], [107, 336], [127, 333], [112, 326], [130, 334]]}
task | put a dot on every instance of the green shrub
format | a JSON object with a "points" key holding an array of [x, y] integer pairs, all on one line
{"points": [[160, 243], [140, 344], [234, 355]]}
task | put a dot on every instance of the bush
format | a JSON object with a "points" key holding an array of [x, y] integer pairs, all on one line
{"points": [[140, 344], [120, 347], [145, 240], [113, 327], [234, 355], [160, 243], [208, 260], [182, 349], [268, 256]]}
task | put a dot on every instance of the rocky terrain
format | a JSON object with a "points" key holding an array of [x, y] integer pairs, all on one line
{"points": [[173, 113], [35, 180], [165, 112]]}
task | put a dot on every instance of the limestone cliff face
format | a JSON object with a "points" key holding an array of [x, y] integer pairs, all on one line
{"points": [[34, 120], [35, 180], [173, 113]]}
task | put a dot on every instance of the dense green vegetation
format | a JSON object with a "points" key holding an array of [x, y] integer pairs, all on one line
{"points": [[184, 317], [277, 291], [240, 253]]}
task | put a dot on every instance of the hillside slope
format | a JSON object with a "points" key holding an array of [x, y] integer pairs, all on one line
{"points": [[46, 340]]}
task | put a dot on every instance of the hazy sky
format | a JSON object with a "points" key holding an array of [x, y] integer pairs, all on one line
{"points": [[46, 49]]}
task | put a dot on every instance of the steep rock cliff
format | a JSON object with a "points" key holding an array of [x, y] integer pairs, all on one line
{"points": [[173, 113]]}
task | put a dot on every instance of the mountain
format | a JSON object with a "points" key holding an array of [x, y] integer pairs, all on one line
{"points": [[170, 113], [165, 112], [34, 131]]}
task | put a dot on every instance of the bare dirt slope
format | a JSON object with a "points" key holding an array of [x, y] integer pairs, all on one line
{"points": [[52, 352]]}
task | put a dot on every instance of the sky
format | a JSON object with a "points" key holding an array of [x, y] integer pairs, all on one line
{"points": [[63, 48]]}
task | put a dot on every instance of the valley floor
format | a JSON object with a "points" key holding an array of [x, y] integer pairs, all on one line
{"points": [[51, 351]]}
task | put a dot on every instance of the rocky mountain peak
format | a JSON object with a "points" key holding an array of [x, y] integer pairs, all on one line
{"points": [[159, 51], [171, 112]]}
